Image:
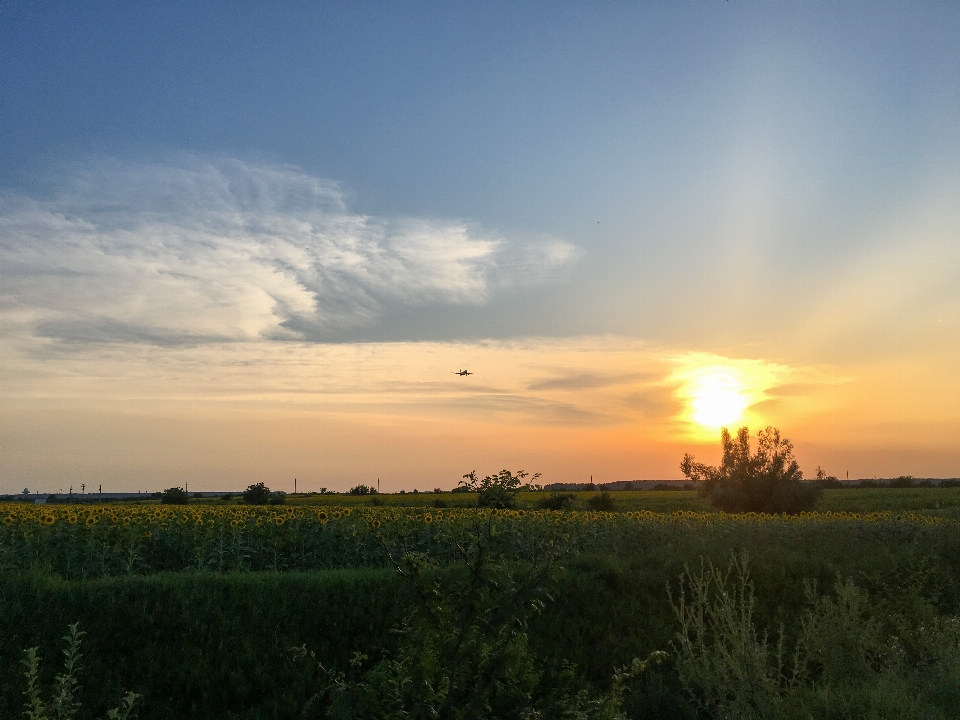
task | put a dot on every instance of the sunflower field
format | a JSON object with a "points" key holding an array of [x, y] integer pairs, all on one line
{"points": [[74, 541]]}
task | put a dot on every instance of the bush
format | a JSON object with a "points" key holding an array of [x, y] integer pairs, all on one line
{"points": [[277, 498], [497, 491], [174, 496], [364, 490], [602, 503], [769, 481], [258, 494], [557, 501]]}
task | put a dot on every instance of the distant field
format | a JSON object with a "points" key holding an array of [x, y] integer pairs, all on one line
{"points": [[935, 500]]}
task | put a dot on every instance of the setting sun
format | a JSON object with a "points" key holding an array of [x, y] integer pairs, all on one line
{"points": [[717, 400]]}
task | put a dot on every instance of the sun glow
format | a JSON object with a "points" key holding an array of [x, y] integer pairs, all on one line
{"points": [[717, 399]]}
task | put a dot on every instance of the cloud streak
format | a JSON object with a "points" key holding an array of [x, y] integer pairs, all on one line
{"points": [[221, 250]]}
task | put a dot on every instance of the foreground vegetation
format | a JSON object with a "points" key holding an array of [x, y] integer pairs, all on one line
{"points": [[98, 540], [563, 613]]}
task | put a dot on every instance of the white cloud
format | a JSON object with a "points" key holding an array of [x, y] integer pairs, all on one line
{"points": [[222, 250]]}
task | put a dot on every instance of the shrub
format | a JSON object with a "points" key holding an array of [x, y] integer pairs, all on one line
{"points": [[602, 502], [556, 501], [277, 498], [844, 663], [769, 481], [497, 491], [258, 494], [174, 496]]}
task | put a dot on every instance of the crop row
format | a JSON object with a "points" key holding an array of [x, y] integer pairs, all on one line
{"points": [[93, 541]]}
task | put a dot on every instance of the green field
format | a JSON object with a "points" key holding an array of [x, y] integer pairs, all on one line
{"points": [[853, 500], [198, 607]]}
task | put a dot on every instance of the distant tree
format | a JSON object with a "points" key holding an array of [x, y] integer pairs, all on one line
{"points": [[497, 491], [825, 481], [258, 494], [602, 502], [557, 501], [363, 490], [174, 496], [768, 481]]}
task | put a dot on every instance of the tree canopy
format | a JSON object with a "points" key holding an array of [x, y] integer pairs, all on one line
{"points": [[500, 490], [768, 481]]}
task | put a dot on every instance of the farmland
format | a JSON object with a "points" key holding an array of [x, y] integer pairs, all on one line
{"points": [[205, 601]]}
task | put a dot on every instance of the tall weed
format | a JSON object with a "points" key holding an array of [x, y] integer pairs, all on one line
{"points": [[846, 662]]}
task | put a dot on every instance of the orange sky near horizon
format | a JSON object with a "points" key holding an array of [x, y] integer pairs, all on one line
{"points": [[614, 408]]}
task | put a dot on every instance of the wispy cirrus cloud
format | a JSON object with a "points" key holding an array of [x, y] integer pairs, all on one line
{"points": [[213, 250]]}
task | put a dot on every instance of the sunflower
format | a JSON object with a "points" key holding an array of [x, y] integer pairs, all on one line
{"points": [[48, 520], [8, 520], [147, 533], [428, 518], [322, 516], [279, 520], [234, 523], [90, 521], [376, 523]]}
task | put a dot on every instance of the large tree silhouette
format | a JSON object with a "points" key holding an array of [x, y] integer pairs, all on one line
{"points": [[767, 481]]}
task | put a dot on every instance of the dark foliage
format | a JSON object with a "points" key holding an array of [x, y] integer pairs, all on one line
{"points": [[603, 502], [497, 491], [175, 496], [216, 645], [362, 490], [258, 494], [768, 481], [557, 501]]}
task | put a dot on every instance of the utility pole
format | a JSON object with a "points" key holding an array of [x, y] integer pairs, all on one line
{"points": [[83, 489], [294, 486], [378, 486]]}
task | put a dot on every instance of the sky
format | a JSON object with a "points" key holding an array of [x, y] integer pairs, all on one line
{"points": [[245, 242]]}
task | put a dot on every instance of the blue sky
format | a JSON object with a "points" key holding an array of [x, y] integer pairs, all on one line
{"points": [[775, 182]]}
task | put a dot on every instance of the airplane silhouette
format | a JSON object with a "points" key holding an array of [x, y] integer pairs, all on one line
{"points": [[462, 372]]}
